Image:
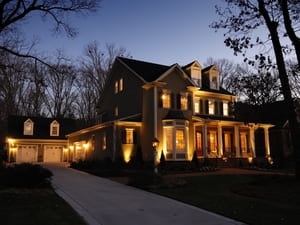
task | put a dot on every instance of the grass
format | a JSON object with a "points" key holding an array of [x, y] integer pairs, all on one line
{"points": [[35, 206], [253, 199]]}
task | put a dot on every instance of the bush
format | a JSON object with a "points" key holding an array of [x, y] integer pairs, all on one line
{"points": [[25, 175]]}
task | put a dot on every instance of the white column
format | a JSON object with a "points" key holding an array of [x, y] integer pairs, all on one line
{"points": [[204, 132], [237, 141], [267, 142], [220, 140], [252, 142], [155, 112]]}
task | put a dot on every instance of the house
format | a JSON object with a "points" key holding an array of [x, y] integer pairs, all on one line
{"points": [[183, 107], [37, 139]]}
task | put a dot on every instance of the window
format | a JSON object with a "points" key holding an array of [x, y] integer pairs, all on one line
{"points": [[28, 127], [211, 107], [121, 84], [212, 141], [243, 142], [179, 139], [116, 87], [104, 142], [166, 100], [196, 105], [183, 102], [227, 141], [225, 109], [54, 128], [169, 138], [196, 77], [128, 136], [214, 83]]}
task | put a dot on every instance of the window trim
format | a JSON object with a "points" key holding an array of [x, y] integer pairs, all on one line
{"points": [[53, 125]]}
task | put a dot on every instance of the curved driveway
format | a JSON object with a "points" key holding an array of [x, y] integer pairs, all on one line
{"points": [[104, 202]]}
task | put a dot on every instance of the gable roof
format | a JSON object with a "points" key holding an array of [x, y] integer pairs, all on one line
{"points": [[148, 71], [41, 127]]}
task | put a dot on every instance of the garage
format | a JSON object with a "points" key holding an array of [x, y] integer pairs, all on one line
{"points": [[52, 153], [27, 153]]}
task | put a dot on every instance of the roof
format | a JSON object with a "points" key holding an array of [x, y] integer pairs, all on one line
{"points": [[175, 114], [148, 71], [41, 127]]}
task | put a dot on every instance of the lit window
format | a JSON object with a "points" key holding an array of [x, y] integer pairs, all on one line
{"points": [[54, 128], [227, 142], [198, 141], [196, 77], [212, 141], [211, 107], [121, 84], [196, 107], [166, 100], [183, 102], [28, 127], [180, 139], [104, 142], [116, 87], [243, 140], [129, 136], [225, 108], [117, 111]]}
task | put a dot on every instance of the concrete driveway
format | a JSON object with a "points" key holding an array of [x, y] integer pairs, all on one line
{"points": [[104, 202]]}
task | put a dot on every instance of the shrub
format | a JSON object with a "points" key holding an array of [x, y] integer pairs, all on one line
{"points": [[25, 175]]}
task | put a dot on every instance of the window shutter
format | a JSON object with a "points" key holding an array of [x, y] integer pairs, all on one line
{"points": [[216, 108], [206, 106], [124, 136], [172, 100], [201, 106], [134, 137], [160, 103], [178, 102], [231, 108], [221, 109], [189, 102]]}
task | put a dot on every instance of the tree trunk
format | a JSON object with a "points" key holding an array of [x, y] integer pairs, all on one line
{"points": [[293, 125], [289, 29]]}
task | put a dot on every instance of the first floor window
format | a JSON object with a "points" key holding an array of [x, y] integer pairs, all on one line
{"points": [[227, 142], [180, 139], [169, 138], [198, 141], [243, 142], [129, 136], [213, 141]]}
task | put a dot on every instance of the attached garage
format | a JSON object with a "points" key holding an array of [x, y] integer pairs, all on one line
{"points": [[52, 153], [27, 153]]}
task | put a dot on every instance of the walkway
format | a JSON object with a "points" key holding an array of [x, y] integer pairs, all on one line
{"points": [[104, 202]]}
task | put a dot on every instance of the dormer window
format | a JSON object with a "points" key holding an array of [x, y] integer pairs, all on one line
{"points": [[54, 128], [214, 83], [28, 127], [196, 76], [214, 78]]}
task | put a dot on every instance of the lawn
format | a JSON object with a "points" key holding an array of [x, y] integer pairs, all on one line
{"points": [[253, 199], [35, 206]]}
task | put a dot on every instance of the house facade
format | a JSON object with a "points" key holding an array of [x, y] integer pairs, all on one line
{"points": [[36, 139], [184, 108]]}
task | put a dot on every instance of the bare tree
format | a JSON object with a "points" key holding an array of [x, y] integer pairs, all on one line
{"points": [[241, 18], [14, 13], [61, 94], [94, 69]]}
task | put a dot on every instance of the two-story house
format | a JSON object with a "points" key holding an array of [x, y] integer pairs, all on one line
{"points": [[185, 108]]}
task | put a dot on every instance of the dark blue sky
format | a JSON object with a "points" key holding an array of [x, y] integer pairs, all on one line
{"points": [[160, 31]]}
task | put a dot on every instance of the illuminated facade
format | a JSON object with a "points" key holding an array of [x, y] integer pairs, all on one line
{"points": [[36, 139], [185, 108]]}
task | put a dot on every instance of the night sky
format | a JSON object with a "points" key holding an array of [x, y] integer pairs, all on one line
{"points": [[159, 31]]}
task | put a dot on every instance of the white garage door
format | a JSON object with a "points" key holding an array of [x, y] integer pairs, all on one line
{"points": [[26, 153], [52, 153]]}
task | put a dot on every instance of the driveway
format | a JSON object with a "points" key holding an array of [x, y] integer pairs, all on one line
{"points": [[104, 202]]}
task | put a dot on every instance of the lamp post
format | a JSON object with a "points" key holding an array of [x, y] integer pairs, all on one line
{"points": [[155, 143]]}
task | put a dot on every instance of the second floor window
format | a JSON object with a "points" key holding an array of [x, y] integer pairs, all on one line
{"points": [[28, 127], [211, 107], [225, 109], [116, 87], [166, 100], [54, 128], [183, 102]]}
